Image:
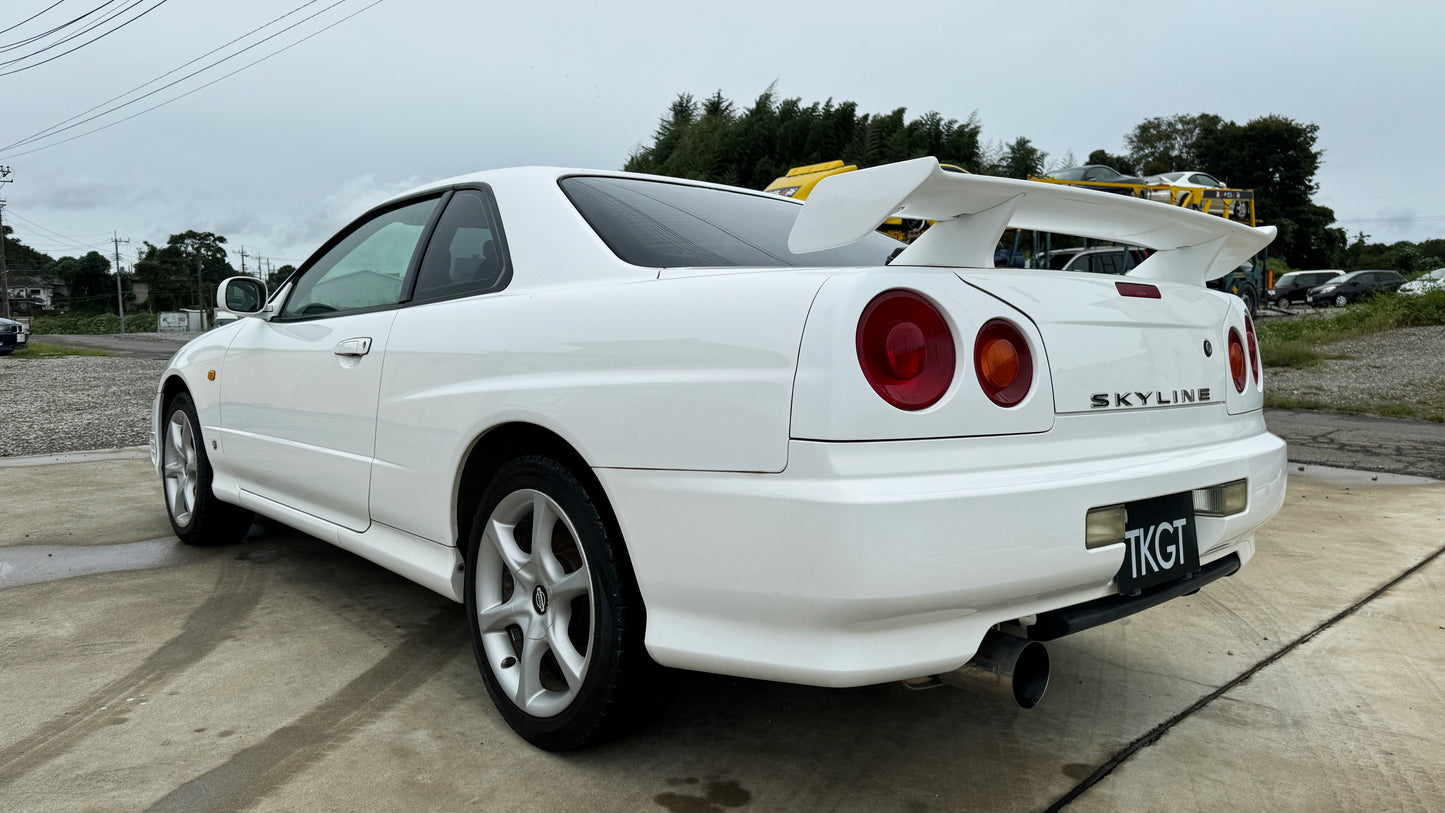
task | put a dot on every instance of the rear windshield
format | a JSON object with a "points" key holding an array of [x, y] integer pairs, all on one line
{"points": [[656, 224]]}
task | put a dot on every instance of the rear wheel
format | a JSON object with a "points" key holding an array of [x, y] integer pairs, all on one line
{"points": [[197, 517], [556, 618]]}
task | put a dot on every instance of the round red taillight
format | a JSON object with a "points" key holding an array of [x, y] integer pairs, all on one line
{"points": [[905, 349], [1253, 347], [1003, 362], [1237, 365]]}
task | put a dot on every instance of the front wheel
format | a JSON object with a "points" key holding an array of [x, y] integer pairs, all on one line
{"points": [[1251, 299], [1341, 300], [555, 615], [197, 517]]}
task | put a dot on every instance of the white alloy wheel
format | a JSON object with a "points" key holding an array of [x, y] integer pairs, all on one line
{"points": [[534, 603], [180, 466], [1341, 301]]}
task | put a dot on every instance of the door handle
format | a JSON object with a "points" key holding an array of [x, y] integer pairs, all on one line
{"points": [[353, 347]]}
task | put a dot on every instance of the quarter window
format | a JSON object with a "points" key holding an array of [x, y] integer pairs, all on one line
{"points": [[366, 269], [466, 254]]}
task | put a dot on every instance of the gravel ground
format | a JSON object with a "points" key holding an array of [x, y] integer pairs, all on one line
{"points": [[80, 403], [1405, 366], [75, 403]]}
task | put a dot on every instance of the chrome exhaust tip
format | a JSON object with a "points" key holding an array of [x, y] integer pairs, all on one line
{"points": [[1006, 667]]}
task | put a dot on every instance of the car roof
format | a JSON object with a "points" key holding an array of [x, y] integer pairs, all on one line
{"points": [[545, 174]]}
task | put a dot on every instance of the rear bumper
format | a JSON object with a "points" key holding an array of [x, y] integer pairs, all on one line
{"points": [[868, 562]]}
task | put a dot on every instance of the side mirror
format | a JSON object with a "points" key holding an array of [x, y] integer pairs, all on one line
{"points": [[244, 296]]}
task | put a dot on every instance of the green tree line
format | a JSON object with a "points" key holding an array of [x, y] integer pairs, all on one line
{"points": [[182, 273], [1274, 155]]}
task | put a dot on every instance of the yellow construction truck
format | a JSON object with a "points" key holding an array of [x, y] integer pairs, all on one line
{"points": [[799, 182]]}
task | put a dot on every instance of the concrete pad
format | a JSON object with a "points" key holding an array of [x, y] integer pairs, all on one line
{"points": [[86, 498], [284, 673], [1354, 720]]}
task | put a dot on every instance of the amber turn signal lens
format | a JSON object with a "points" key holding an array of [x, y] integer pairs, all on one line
{"points": [[999, 362], [1238, 369], [1003, 363]]}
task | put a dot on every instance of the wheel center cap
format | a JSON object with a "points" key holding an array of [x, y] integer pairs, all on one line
{"points": [[539, 600]]}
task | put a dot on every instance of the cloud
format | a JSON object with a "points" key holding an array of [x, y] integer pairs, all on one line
{"points": [[78, 193]]}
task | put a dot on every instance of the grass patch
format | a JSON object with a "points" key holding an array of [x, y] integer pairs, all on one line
{"points": [[93, 324], [1430, 408], [1291, 353], [1379, 313], [50, 351]]}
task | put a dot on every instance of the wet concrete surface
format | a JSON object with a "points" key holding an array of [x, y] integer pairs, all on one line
{"points": [[1365, 442], [287, 674]]}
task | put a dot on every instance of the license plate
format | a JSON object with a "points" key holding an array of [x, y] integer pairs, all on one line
{"points": [[1160, 544]]}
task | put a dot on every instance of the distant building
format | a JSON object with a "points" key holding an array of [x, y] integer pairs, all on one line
{"points": [[33, 295]]}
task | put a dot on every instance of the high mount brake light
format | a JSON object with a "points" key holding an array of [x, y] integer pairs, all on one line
{"points": [[1253, 347], [1238, 368], [1003, 362], [905, 349], [1143, 290]]}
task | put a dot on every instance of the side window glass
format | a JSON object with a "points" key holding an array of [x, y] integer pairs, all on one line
{"points": [[466, 253], [365, 269]]}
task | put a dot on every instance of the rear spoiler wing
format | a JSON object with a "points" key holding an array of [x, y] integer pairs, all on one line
{"points": [[972, 212]]}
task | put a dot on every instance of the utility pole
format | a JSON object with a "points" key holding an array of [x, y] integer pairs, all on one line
{"points": [[119, 297], [243, 259], [4, 277]]}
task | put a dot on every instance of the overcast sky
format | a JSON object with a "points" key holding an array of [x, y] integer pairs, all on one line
{"points": [[279, 156]]}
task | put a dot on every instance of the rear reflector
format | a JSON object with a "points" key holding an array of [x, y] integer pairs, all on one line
{"points": [[1226, 499], [1139, 289], [1104, 526]]}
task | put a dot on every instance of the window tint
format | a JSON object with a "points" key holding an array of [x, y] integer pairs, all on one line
{"points": [[656, 224], [365, 269], [465, 255]]}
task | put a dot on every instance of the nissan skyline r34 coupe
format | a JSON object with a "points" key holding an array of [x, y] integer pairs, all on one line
{"points": [[636, 424]]}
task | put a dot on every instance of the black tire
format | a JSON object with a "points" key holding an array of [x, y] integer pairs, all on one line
{"points": [[1251, 299], [616, 687], [196, 515]]}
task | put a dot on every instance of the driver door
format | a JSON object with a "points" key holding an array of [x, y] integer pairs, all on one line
{"points": [[299, 391]]}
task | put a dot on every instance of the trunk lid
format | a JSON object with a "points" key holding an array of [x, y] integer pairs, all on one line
{"points": [[1109, 352]]}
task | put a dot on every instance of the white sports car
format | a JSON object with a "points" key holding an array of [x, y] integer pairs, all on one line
{"points": [[638, 424]]}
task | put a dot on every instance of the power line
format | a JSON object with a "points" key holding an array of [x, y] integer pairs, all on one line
{"points": [[102, 36], [51, 232], [31, 17], [53, 128], [58, 129], [202, 87], [42, 35]]}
